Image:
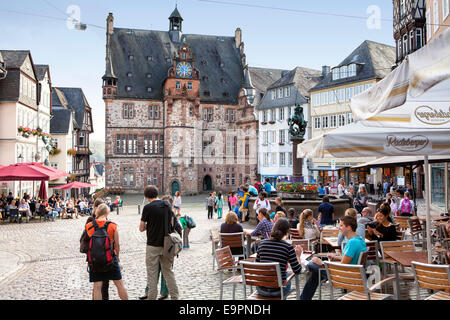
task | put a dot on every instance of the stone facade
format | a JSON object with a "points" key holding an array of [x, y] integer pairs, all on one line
{"points": [[194, 134]]}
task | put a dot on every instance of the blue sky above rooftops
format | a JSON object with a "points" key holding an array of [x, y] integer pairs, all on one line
{"points": [[277, 34]]}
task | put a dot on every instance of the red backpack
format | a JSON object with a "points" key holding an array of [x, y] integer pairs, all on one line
{"points": [[100, 254]]}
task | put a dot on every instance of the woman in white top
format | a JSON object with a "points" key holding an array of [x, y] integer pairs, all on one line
{"points": [[177, 202], [261, 202], [342, 191]]}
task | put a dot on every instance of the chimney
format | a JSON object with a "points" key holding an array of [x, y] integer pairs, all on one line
{"points": [[238, 37], [325, 71]]}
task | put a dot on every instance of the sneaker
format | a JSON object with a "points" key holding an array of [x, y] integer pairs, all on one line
{"points": [[163, 297], [185, 247], [143, 298]]}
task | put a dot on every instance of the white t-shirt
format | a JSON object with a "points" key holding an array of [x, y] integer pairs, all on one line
{"points": [[177, 202], [261, 204]]}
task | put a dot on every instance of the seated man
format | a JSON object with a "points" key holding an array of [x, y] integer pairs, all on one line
{"points": [[24, 209], [355, 245], [367, 216]]}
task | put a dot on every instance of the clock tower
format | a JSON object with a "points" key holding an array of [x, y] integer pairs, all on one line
{"points": [[183, 81]]}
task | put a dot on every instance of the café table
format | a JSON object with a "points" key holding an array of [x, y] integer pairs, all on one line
{"points": [[405, 258]]}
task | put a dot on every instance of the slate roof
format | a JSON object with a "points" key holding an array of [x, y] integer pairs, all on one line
{"points": [[375, 61], [40, 70], [10, 86], [223, 82], [71, 98], [60, 122], [301, 81], [262, 78], [14, 58], [99, 168], [175, 14]]}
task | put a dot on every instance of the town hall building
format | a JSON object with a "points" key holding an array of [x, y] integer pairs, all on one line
{"points": [[179, 110]]}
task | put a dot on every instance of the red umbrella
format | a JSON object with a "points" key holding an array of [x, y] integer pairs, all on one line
{"points": [[75, 185], [19, 172], [56, 172], [42, 191]]}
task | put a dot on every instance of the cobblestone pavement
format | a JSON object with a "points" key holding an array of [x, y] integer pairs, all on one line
{"points": [[41, 260]]}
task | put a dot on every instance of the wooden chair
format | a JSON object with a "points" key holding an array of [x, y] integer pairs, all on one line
{"points": [[417, 232], [225, 261], [295, 234], [305, 243], [372, 252], [327, 233], [404, 245], [267, 274], [233, 240], [432, 277], [353, 277], [400, 232], [402, 222]]}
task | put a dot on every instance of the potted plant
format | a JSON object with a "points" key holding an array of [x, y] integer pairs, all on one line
{"points": [[281, 143], [71, 152]]}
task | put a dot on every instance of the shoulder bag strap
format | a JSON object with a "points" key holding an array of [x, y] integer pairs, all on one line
{"points": [[95, 225]]}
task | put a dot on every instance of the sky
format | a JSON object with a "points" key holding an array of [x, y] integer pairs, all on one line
{"points": [[277, 34]]}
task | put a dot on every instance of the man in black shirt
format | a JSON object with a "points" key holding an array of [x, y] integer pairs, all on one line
{"points": [[154, 216]]}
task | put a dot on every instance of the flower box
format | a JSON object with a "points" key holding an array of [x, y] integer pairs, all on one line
{"points": [[281, 143], [263, 122], [297, 190], [71, 152], [271, 122]]}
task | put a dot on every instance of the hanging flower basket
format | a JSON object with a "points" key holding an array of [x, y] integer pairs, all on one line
{"points": [[55, 151], [72, 177], [71, 152], [46, 162]]}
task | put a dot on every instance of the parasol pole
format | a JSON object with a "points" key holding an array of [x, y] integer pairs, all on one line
{"points": [[428, 205]]}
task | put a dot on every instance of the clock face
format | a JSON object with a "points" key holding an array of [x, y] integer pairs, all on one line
{"points": [[184, 70]]}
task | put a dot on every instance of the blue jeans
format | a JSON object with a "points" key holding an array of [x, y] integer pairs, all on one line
{"points": [[264, 293], [313, 281]]}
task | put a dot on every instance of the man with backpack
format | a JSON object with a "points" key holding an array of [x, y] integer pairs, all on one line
{"points": [[158, 221]]}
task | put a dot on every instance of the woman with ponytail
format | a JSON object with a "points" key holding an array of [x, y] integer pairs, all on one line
{"points": [[276, 249], [308, 228]]}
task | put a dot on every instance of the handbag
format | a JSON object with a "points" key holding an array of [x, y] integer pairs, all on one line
{"points": [[172, 241]]}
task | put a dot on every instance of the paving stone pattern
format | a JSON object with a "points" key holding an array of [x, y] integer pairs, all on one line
{"points": [[41, 260]]}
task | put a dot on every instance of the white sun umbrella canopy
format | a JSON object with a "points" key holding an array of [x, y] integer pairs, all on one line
{"points": [[418, 83], [358, 140]]}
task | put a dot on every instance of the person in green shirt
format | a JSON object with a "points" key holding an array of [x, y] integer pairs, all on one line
{"points": [[219, 205], [186, 230]]}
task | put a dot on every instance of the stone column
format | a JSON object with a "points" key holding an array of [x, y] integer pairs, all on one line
{"points": [[297, 163]]}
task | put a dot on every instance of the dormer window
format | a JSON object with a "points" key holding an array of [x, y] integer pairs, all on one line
{"points": [[223, 80], [149, 89], [221, 64], [206, 93], [205, 78], [204, 62], [149, 58], [149, 75], [129, 74], [130, 57], [352, 70], [343, 71], [335, 74], [128, 88], [226, 94]]}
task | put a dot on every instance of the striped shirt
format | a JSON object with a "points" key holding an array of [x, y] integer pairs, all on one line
{"points": [[278, 251], [264, 228]]}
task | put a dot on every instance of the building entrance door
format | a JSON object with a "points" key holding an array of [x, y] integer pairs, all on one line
{"points": [[175, 187], [207, 183]]}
